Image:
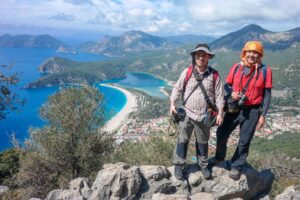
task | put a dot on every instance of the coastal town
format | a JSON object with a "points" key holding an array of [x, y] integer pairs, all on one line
{"points": [[138, 130], [280, 120]]}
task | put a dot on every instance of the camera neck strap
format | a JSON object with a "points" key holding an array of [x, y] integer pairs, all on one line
{"points": [[184, 102], [200, 84]]}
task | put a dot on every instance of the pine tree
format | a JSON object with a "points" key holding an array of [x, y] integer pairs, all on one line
{"points": [[70, 145]]}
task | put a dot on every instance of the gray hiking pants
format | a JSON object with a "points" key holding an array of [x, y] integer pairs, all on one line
{"points": [[201, 132]]}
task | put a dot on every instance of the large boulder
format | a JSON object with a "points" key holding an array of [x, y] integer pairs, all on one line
{"points": [[121, 181], [78, 189], [116, 181]]}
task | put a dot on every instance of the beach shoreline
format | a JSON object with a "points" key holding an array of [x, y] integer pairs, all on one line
{"points": [[117, 121]]}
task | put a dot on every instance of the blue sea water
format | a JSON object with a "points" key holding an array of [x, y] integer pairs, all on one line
{"points": [[25, 61], [141, 81]]}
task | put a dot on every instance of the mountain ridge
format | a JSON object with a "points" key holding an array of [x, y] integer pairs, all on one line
{"points": [[30, 41], [271, 40]]}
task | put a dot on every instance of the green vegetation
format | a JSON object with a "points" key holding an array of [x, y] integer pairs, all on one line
{"points": [[287, 143], [72, 72], [154, 151], [152, 107], [9, 165], [9, 101], [69, 146]]}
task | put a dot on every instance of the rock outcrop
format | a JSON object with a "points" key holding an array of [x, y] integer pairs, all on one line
{"points": [[290, 193], [3, 189], [121, 181]]}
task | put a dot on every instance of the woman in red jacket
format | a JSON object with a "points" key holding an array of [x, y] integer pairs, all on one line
{"points": [[248, 85]]}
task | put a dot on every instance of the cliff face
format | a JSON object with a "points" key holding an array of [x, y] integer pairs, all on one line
{"points": [[52, 65], [121, 181]]}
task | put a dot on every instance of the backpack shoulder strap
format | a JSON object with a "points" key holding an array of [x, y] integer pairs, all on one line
{"points": [[215, 74], [237, 66], [264, 71], [187, 76]]}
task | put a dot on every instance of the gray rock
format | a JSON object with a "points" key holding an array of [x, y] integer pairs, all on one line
{"points": [[266, 197], [116, 181], [159, 196], [81, 185], [3, 189], [70, 195], [290, 193], [222, 186], [53, 195], [123, 182], [202, 196], [157, 177], [156, 173]]}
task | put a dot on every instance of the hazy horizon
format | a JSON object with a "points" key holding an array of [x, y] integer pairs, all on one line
{"points": [[92, 19]]}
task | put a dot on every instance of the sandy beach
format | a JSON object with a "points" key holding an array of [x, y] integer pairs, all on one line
{"points": [[114, 123]]}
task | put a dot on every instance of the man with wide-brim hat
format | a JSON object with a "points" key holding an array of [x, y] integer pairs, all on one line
{"points": [[196, 107], [202, 47]]}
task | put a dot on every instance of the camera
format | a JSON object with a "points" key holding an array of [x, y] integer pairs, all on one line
{"points": [[179, 116], [231, 105], [242, 100]]}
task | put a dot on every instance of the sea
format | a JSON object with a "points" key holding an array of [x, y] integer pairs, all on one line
{"points": [[25, 62]]}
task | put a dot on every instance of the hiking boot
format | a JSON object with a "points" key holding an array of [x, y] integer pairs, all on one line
{"points": [[214, 161], [235, 174], [178, 172], [206, 173]]}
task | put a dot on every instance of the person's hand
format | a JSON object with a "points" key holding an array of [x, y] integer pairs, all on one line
{"points": [[172, 109], [219, 120], [235, 95], [261, 122]]}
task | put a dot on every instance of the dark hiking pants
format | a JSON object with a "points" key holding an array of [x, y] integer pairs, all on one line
{"points": [[247, 118]]}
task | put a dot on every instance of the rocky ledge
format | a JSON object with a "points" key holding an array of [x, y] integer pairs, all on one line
{"points": [[121, 181]]}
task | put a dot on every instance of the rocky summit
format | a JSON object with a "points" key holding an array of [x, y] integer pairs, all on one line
{"points": [[121, 181]]}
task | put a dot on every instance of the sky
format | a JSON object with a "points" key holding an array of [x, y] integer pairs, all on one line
{"points": [[96, 18]]}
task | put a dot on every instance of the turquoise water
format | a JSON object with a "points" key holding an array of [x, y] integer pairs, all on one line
{"points": [[26, 61], [141, 81]]}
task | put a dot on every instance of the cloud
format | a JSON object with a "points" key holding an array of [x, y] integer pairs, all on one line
{"points": [[63, 17], [76, 2], [213, 11], [164, 17]]}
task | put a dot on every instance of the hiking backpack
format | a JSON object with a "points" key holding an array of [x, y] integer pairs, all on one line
{"points": [[263, 68]]}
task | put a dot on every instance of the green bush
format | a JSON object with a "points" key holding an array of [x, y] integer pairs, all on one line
{"points": [[154, 151], [69, 146], [9, 164]]}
